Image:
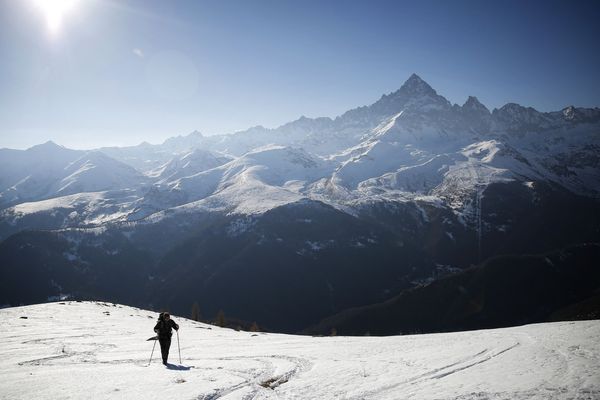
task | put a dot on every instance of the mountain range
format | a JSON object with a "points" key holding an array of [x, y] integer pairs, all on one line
{"points": [[291, 225]]}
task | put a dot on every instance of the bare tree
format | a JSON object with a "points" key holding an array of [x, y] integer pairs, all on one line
{"points": [[196, 311], [220, 318]]}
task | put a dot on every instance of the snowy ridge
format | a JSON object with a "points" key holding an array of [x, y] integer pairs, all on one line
{"points": [[99, 350], [96, 172], [28, 175], [53, 172], [259, 180], [81, 209], [187, 164]]}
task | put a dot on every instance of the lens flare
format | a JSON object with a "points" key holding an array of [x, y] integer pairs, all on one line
{"points": [[54, 11]]}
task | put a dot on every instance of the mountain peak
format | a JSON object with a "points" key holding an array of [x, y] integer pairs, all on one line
{"points": [[473, 104], [415, 85], [472, 100], [48, 145], [514, 109], [569, 113], [415, 94], [414, 77], [183, 142]]}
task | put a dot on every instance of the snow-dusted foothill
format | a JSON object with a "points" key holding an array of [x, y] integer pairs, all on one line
{"points": [[92, 350]]}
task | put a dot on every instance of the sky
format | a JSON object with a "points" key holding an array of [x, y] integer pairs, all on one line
{"points": [[119, 72]]}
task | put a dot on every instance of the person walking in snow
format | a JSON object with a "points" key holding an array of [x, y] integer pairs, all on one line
{"points": [[163, 330]]}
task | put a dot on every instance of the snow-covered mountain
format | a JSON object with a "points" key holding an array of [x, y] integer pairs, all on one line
{"points": [[259, 180], [51, 171], [95, 172], [417, 139], [27, 175], [409, 144], [146, 157], [91, 350], [385, 195], [187, 164]]}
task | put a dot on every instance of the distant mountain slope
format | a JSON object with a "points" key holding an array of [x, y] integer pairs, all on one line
{"points": [[27, 175], [50, 171], [40, 266], [188, 164], [94, 172], [504, 291]]}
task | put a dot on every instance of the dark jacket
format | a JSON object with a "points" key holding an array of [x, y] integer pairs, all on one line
{"points": [[163, 327]]}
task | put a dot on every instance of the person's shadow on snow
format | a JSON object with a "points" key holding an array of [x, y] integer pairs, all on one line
{"points": [[178, 367]]}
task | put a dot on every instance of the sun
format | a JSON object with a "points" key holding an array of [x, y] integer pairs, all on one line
{"points": [[54, 12]]}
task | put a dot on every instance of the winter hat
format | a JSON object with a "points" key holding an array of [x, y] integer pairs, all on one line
{"points": [[162, 315]]}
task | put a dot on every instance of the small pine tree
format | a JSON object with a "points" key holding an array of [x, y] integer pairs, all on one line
{"points": [[196, 311], [220, 318], [333, 332], [254, 327]]}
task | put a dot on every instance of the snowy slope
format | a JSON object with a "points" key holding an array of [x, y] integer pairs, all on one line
{"points": [[259, 180], [50, 171], [95, 172], [81, 209], [29, 174], [96, 350], [92, 189], [187, 164], [144, 157]]}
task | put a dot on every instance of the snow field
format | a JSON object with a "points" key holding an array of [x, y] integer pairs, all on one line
{"points": [[91, 350]]}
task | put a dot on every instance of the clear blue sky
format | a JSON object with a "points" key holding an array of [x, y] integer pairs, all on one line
{"points": [[117, 72]]}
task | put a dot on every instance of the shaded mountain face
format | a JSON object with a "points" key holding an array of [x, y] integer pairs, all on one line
{"points": [[504, 291], [288, 225]]}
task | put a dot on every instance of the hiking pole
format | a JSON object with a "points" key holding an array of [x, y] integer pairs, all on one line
{"points": [[151, 354], [178, 348]]}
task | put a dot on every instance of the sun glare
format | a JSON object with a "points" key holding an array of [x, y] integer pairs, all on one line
{"points": [[54, 11]]}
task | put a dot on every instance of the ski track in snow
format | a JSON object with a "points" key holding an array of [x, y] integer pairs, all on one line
{"points": [[258, 379], [91, 350]]}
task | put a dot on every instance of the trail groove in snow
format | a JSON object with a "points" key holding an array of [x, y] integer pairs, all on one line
{"points": [[270, 374]]}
